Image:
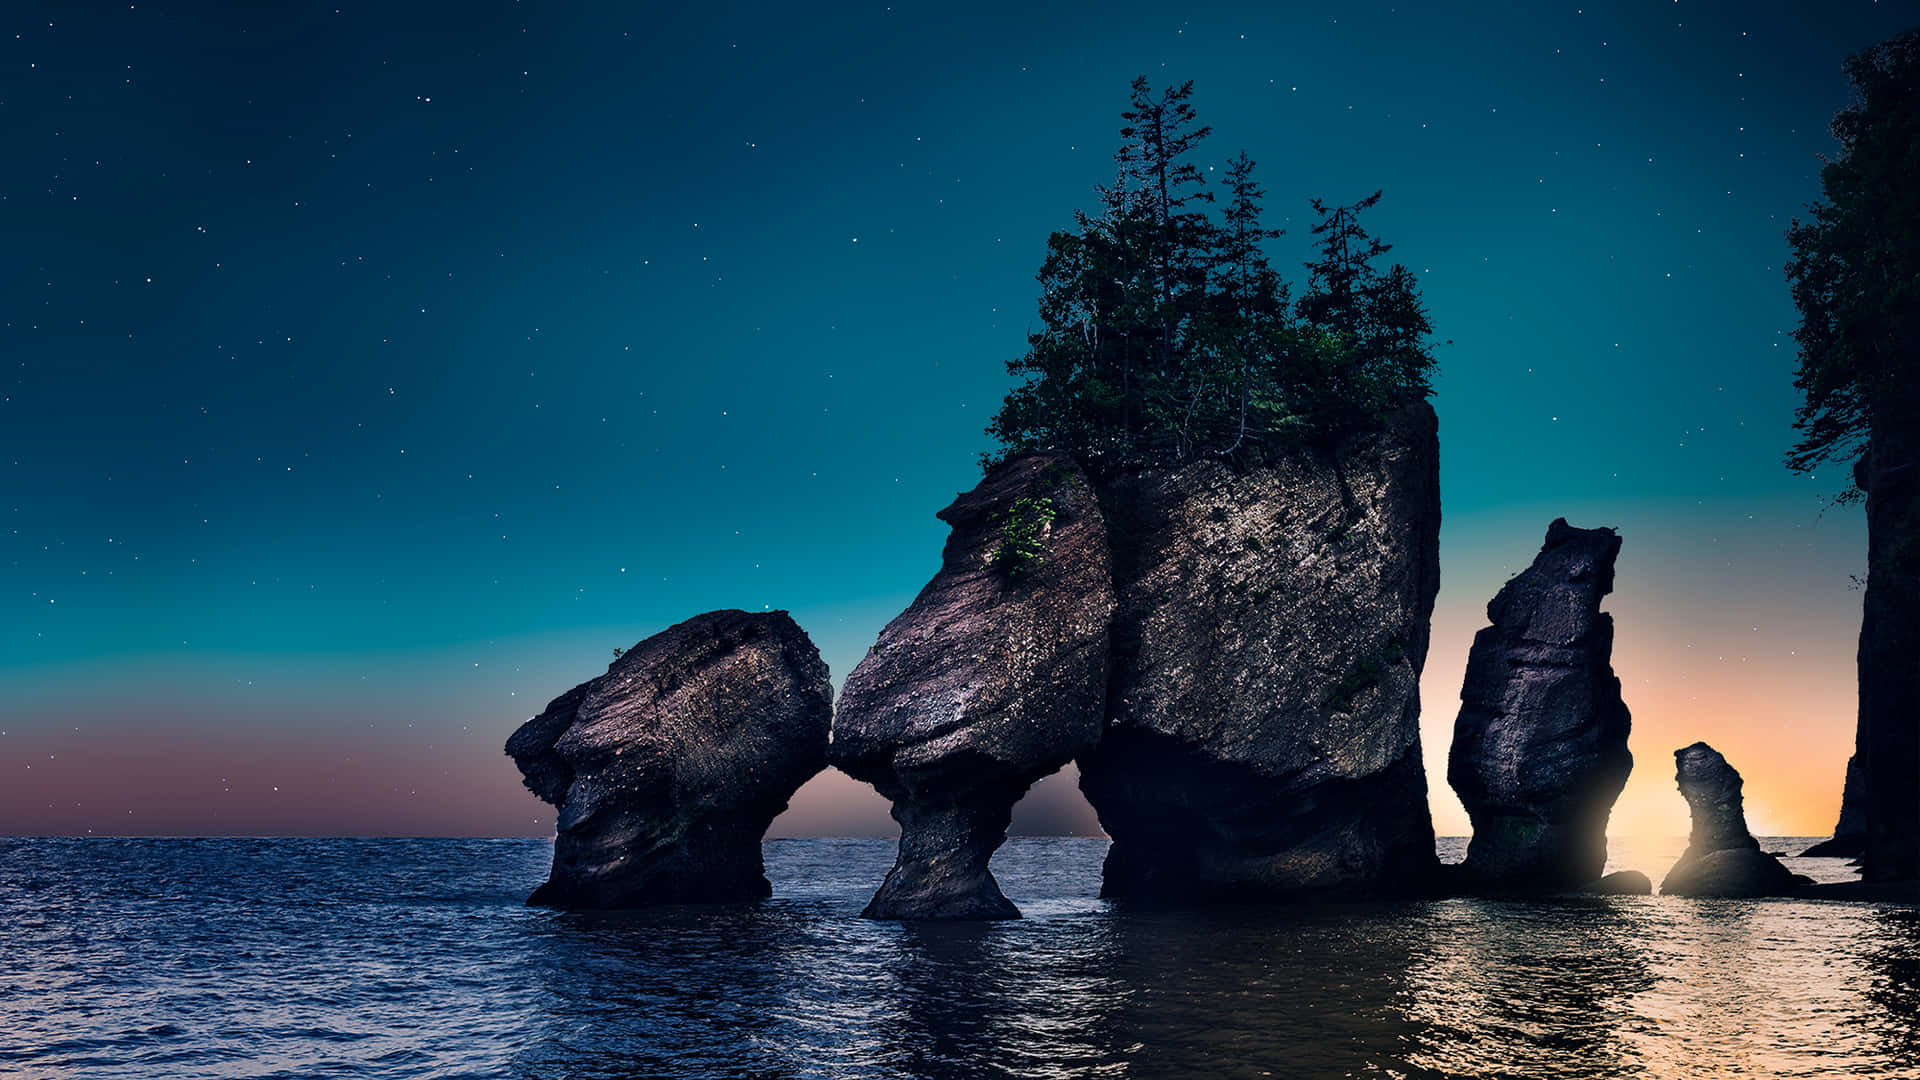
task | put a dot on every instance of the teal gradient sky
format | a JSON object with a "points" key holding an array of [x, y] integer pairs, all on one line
{"points": [[370, 372]]}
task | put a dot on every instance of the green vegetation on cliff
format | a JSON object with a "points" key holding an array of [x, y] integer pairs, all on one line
{"points": [[1855, 270], [1166, 334]]}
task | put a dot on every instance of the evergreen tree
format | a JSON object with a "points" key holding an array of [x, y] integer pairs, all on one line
{"points": [[1337, 282], [1855, 270], [1378, 322], [1855, 276], [1170, 237], [1246, 337], [1165, 335]]}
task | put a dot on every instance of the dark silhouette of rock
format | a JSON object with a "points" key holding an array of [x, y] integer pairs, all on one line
{"points": [[1849, 840], [667, 770], [1888, 738], [1623, 883], [1731, 872], [1540, 747], [1263, 731], [994, 677], [1722, 857]]}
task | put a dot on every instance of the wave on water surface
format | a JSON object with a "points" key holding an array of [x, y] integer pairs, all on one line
{"points": [[416, 958]]}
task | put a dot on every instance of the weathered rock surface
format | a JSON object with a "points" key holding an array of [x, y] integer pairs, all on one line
{"points": [[1722, 857], [1540, 747], [1849, 838], [994, 677], [667, 770], [1263, 711], [1623, 883]]}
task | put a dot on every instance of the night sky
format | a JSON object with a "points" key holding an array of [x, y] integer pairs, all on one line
{"points": [[370, 372]]}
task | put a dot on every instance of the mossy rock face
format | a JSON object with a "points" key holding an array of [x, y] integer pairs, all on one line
{"points": [[1025, 526]]}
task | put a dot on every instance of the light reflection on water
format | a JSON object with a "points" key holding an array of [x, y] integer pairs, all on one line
{"points": [[294, 958]]}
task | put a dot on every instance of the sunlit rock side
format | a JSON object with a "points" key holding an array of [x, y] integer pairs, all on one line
{"points": [[994, 677], [667, 770], [1263, 731], [1849, 838], [1722, 857], [1540, 746]]}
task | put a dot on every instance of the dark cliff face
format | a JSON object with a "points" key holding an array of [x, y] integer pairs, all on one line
{"points": [[1540, 747], [1722, 857], [1889, 657], [1263, 709], [994, 677], [667, 770], [1849, 838]]}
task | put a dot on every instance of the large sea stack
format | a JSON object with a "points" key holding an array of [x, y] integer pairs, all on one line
{"points": [[667, 770], [994, 677], [1889, 657], [1540, 747], [1263, 731], [1722, 857]]}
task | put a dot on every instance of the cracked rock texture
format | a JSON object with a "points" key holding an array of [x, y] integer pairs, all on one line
{"points": [[994, 677], [667, 770], [1263, 708], [1540, 746]]}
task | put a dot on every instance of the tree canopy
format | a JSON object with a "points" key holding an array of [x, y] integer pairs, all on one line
{"points": [[1167, 334], [1855, 270]]}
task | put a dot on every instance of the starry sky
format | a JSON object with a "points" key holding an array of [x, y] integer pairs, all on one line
{"points": [[368, 372]]}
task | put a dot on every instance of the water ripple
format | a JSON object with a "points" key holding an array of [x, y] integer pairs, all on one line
{"points": [[415, 958]]}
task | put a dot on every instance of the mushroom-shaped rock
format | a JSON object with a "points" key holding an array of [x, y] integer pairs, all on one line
{"points": [[1540, 747], [1722, 857], [1263, 734], [994, 677], [667, 770]]}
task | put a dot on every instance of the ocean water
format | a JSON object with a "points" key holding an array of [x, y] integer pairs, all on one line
{"points": [[415, 958]]}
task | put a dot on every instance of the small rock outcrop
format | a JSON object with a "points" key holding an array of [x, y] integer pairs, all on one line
{"points": [[667, 770], [1722, 857], [1540, 747], [1623, 883], [994, 677], [1849, 840], [1263, 733]]}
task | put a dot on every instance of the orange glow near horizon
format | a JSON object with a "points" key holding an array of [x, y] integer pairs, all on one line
{"points": [[1747, 647]]}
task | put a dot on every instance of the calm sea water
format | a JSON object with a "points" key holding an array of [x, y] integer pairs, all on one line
{"points": [[415, 958]]}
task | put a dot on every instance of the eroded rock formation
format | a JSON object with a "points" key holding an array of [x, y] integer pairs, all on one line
{"points": [[667, 770], [994, 677], [1722, 857], [1263, 711], [1540, 747]]}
